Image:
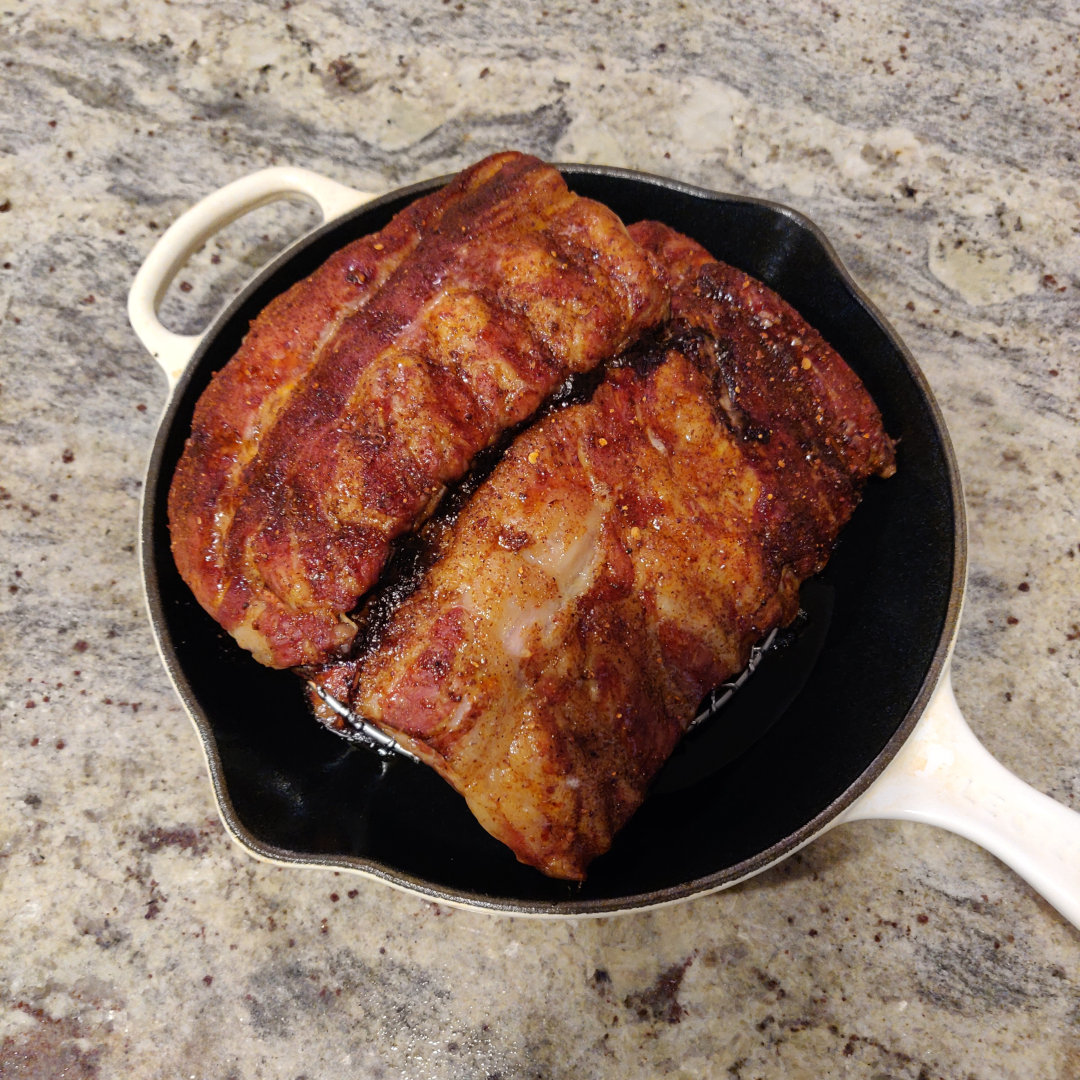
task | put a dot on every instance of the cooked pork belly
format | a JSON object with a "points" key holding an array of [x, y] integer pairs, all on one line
{"points": [[800, 411], [619, 562], [364, 390]]}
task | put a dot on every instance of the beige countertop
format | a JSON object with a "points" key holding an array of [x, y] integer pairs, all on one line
{"points": [[934, 144]]}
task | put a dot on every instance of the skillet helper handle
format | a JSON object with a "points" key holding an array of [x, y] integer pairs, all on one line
{"points": [[195, 226], [944, 776]]}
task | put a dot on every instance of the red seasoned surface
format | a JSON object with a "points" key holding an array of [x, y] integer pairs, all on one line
{"points": [[359, 394], [806, 422]]}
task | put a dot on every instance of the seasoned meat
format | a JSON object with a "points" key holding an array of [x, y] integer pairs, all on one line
{"points": [[803, 416], [359, 394], [619, 562]]}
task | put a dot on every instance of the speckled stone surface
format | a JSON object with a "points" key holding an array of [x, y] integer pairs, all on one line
{"points": [[934, 143]]}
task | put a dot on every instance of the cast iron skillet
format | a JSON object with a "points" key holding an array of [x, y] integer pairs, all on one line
{"points": [[791, 754]]}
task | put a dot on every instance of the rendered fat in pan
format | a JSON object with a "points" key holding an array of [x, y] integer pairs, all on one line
{"points": [[851, 716]]}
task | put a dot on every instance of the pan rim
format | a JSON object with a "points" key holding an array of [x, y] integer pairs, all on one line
{"points": [[599, 906]]}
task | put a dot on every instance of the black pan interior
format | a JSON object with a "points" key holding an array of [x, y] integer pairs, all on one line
{"points": [[817, 721]]}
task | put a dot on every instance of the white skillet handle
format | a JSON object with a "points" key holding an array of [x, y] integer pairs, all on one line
{"points": [[944, 776], [195, 226]]}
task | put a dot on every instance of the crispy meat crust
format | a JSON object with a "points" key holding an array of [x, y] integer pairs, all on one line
{"points": [[359, 394]]}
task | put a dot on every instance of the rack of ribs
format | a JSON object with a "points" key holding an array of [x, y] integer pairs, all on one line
{"points": [[363, 391], [620, 561]]}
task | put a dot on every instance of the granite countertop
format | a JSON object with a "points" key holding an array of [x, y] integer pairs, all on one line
{"points": [[936, 146]]}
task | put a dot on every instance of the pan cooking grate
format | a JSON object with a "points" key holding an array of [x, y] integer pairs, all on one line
{"points": [[722, 694], [360, 731]]}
